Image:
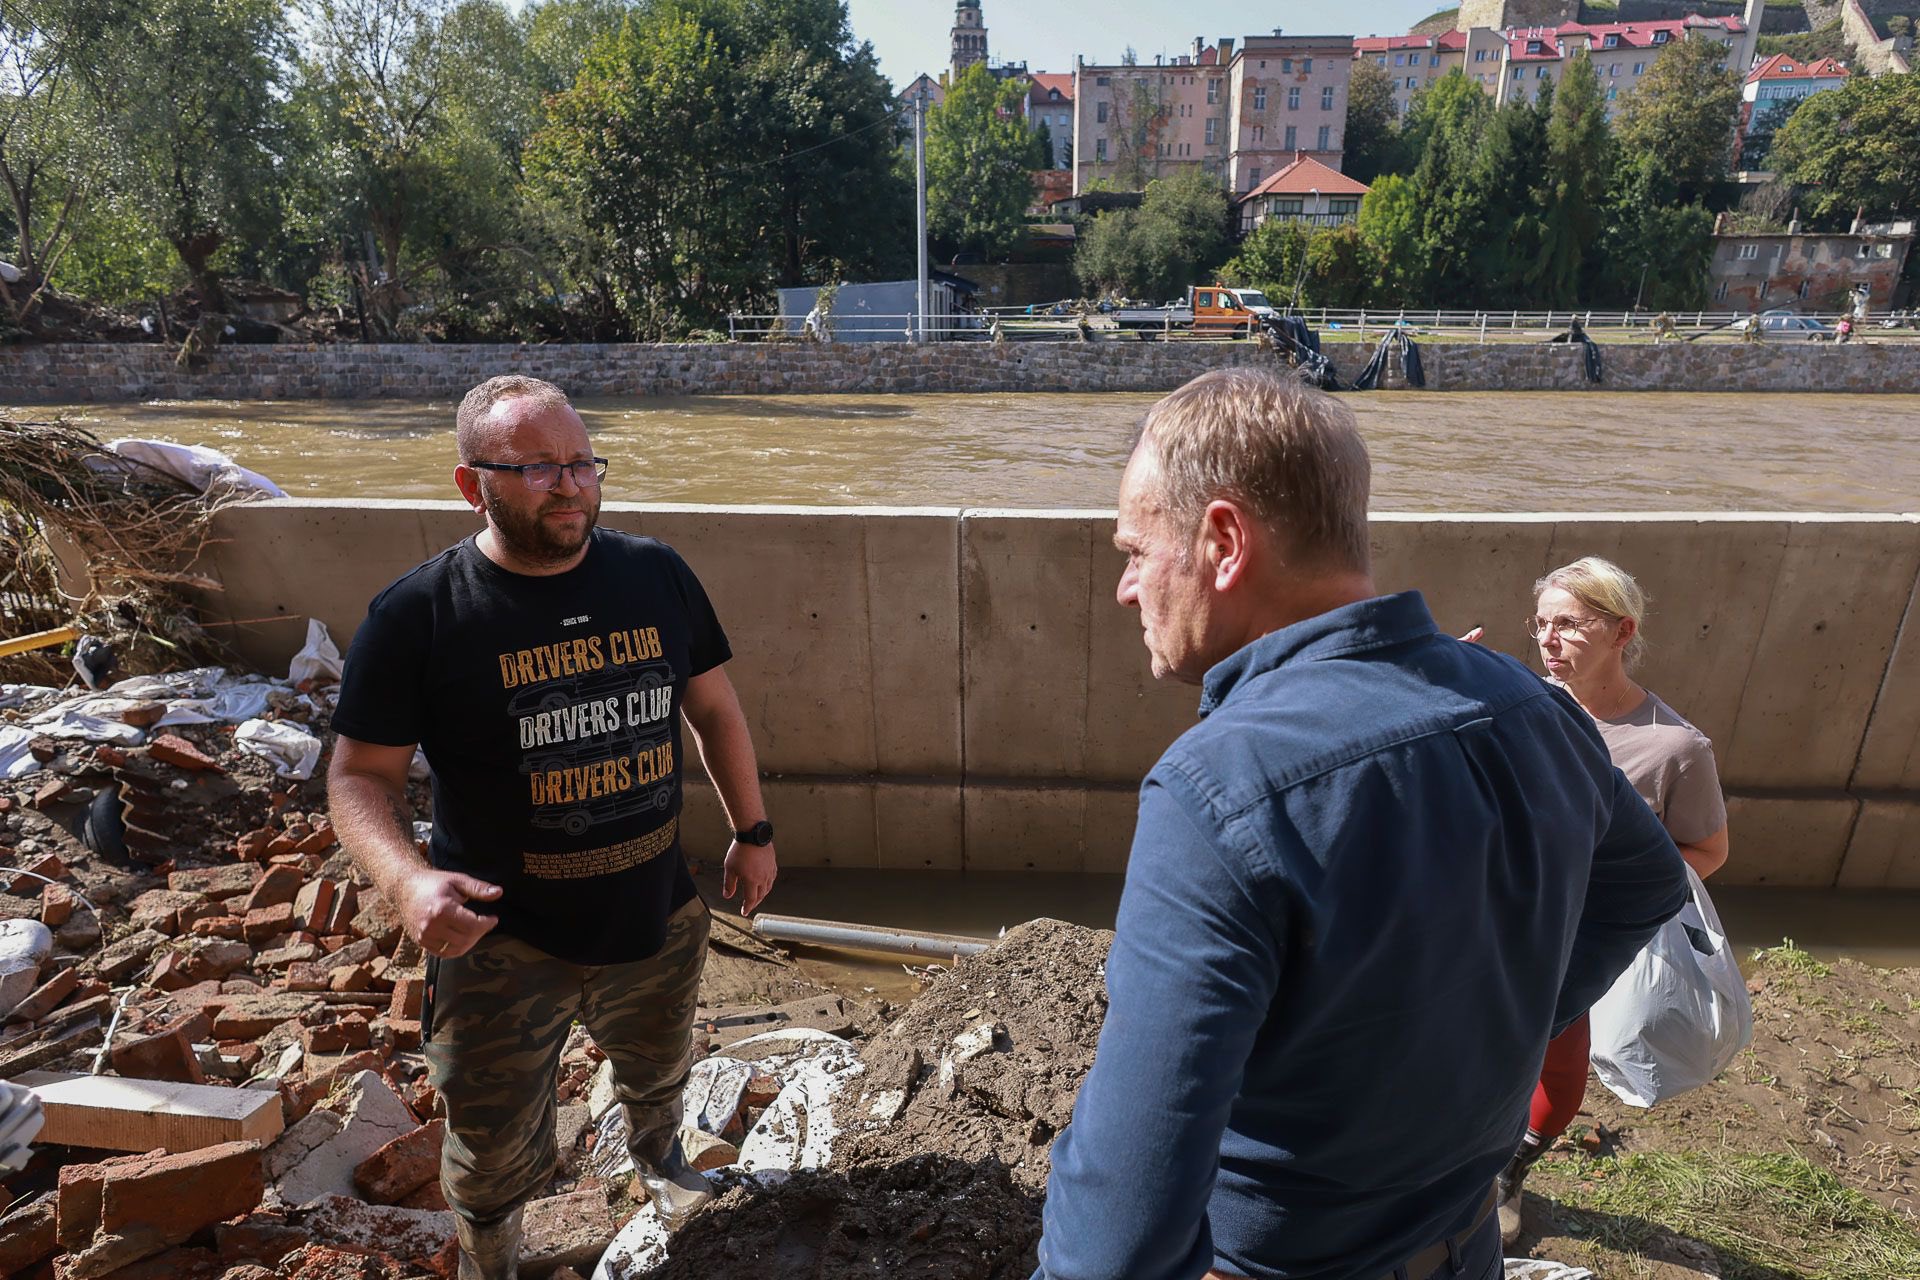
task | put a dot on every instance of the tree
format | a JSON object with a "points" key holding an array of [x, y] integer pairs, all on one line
{"points": [[1043, 147], [192, 148], [1682, 114], [713, 149], [1855, 147], [1390, 225], [1654, 249], [1373, 126], [979, 155], [1509, 175], [1447, 121], [1174, 240], [1575, 186]]}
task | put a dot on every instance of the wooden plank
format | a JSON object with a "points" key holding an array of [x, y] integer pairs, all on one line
{"points": [[144, 1115]]}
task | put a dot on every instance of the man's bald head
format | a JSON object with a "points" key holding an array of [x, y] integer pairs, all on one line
{"points": [[471, 429]]}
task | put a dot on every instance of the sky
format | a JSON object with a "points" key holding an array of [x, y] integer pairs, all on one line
{"points": [[910, 36]]}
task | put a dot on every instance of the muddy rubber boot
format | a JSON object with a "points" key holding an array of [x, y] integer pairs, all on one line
{"points": [[490, 1251], [1509, 1183], [676, 1188]]}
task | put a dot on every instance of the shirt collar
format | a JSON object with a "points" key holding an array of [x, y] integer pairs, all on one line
{"points": [[1365, 624]]}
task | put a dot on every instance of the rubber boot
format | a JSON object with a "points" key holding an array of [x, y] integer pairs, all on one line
{"points": [[490, 1251], [676, 1188], [1511, 1179]]}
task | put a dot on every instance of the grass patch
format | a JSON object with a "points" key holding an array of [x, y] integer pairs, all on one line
{"points": [[1763, 1214], [1793, 960]]}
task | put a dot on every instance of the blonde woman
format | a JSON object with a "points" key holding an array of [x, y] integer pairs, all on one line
{"points": [[1587, 619]]}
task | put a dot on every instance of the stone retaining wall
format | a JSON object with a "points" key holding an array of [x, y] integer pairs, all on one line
{"points": [[68, 373]]}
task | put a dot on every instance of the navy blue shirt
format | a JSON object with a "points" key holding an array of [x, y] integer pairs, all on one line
{"points": [[1364, 890]]}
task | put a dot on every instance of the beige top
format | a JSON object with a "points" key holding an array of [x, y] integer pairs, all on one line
{"points": [[1670, 763]]}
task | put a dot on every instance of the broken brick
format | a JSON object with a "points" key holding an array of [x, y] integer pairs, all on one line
{"points": [[252, 847], [47, 864], [172, 749], [314, 903], [167, 1054], [143, 715], [248, 1017], [408, 996], [131, 1207], [26, 1236], [405, 1032], [231, 927], [317, 843], [51, 792], [280, 885], [216, 884], [268, 922], [56, 905], [159, 909], [357, 977], [45, 998], [403, 1165]]}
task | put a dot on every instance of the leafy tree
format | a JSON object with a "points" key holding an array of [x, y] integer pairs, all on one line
{"points": [[1855, 147], [979, 158], [1391, 226], [1043, 147], [1826, 41], [1372, 131], [717, 148], [1175, 239], [1575, 185], [1510, 174], [1682, 114], [1448, 120], [1272, 259], [1654, 250]]}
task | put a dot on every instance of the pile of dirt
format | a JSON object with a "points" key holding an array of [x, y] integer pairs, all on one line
{"points": [[985, 1065], [925, 1216]]}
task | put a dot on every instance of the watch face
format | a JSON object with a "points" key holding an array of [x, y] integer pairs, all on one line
{"points": [[760, 833]]}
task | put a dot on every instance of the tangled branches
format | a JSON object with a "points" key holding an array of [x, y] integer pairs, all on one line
{"points": [[90, 538]]}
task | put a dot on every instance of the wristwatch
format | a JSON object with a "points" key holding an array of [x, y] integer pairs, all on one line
{"points": [[760, 833]]}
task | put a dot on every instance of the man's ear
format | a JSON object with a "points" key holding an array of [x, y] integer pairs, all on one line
{"points": [[1227, 541], [468, 481]]}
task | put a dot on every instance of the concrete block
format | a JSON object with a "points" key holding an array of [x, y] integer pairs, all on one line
{"points": [[1835, 609], [1026, 828], [1474, 570], [1885, 850], [1026, 593], [565, 1231], [918, 826], [1792, 842], [412, 1235], [1890, 756], [372, 1115]]}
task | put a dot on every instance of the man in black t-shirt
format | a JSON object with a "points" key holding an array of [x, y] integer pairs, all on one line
{"points": [[544, 666]]}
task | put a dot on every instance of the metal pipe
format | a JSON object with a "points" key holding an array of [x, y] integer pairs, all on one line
{"points": [[38, 640], [866, 937]]}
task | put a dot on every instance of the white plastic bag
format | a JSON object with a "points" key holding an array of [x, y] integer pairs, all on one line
{"points": [[318, 659], [289, 748], [1678, 1015]]}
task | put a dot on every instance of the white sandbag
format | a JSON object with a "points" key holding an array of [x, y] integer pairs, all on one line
{"points": [[1678, 1015], [203, 468], [1540, 1269], [318, 659], [291, 750], [16, 756]]}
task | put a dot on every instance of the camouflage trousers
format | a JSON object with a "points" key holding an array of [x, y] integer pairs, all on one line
{"points": [[501, 1015]]}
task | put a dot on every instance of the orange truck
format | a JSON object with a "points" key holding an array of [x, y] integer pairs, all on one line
{"points": [[1215, 308]]}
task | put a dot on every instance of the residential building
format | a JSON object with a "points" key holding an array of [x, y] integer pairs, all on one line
{"points": [[1049, 101], [1774, 88], [1514, 63], [935, 91], [1238, 114], [1808, 271], [1304, 190]]}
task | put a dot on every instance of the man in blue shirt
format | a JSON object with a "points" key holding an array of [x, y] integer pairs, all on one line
{"points": [[1364, 890]]}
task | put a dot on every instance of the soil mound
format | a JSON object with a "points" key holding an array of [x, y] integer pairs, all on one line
{"points": [[986, 1063], [928, 1215]]}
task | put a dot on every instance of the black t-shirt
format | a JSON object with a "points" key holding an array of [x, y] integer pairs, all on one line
{"points": [[548, 710]]}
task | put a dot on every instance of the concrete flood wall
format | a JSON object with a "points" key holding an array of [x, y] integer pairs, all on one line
{"points": [[57, 374], [945, 688]]}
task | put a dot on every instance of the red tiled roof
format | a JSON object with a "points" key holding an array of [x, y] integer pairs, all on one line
{"points": [[1043, 81], [1782, 66], [1633, 35], [1305, 175]]}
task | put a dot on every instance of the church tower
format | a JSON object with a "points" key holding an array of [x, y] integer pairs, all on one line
{"points": [[969, 36]]}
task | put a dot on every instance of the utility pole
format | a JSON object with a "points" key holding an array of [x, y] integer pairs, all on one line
{"points": [[920, 212]]}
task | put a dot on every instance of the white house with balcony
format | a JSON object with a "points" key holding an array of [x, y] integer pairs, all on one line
{"points": [[1303, 191]]}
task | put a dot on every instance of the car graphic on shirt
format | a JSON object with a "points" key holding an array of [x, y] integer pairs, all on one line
{"points": [[577, 817]]}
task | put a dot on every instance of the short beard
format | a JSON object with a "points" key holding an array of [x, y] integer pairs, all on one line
{"points": [[529, 538]]}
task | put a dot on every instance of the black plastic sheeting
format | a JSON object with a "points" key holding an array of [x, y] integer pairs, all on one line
{"points": [[1370, 376], [1291, 335], [1591, 355]]}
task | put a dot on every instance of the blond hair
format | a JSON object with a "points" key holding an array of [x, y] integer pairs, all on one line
{"points": [[1291, 455], [479, 402], [1604, 587]]}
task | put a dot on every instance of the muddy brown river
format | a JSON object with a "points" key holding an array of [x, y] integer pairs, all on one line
{"points": [[1459, 451]]}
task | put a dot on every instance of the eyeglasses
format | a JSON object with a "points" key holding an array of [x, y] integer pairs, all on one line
{"points": [[541, 476], [1565, 628]]}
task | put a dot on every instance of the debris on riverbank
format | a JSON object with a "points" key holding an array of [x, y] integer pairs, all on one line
{"points": [[263, 986]]}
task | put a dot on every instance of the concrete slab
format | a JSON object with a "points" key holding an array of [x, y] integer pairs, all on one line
{"points": [[1890, 756], [1797, 843], [1033, 828], [1131, 718], [1025, 585], [372, 1115], [1474, 570], [1836, 605], [1885, 850]]}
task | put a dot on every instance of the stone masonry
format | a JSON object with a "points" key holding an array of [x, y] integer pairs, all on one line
{"points": [[67, 373]]}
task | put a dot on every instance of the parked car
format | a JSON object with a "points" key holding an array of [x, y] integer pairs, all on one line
{"points": [[1791, 324]]}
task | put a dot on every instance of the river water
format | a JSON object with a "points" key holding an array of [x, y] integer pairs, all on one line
{"points": [[1433, 451]]}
